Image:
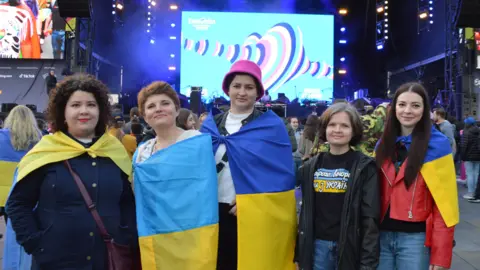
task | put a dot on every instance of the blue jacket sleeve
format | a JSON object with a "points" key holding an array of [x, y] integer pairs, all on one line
{"points": [[20, 206]]}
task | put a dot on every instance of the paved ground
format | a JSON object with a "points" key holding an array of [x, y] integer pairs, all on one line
{"points": [[467, 234]]}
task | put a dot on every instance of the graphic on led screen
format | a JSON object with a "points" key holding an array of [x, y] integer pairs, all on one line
{"points": [[32, 29], [295, 51]]}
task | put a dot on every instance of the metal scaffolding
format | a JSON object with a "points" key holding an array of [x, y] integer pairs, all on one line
{"points": [[451, 97]]}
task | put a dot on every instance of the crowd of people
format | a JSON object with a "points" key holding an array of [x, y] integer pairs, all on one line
{"points": [[356, 188]]}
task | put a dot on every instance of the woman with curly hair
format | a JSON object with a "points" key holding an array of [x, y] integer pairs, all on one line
{"points": [[47, 210]]}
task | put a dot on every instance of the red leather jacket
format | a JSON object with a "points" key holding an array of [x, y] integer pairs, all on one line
{"points": [[416, 204]]}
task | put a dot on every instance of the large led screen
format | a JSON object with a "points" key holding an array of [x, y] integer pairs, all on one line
{"points": [[32, 29], [295, 51]]}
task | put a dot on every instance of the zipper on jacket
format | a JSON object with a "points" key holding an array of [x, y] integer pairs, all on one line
{"points": [[386, 176], [410, 213]]}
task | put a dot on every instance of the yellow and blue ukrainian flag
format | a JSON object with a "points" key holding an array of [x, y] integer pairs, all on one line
{"points": [[177, 206], [9, 159], [438, 171], [261, 164]]}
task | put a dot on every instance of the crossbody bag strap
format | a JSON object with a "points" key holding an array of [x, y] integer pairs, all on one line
{"points": [[88, 201]]}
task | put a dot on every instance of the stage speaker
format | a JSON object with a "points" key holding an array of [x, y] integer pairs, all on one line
{"points": [[74, 8], [196, 100], [7, 107], [469, 14], [32, 107]]}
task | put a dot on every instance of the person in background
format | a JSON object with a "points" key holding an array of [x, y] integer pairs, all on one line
{"points": [[185, 120], [134, 116], [137, 131], [341, 199], [266, 98], [419, 200], [197, 121], [294, 125], [308, 136], [1, 123], [116, 130], [439, 116], [51, 81], [42, 125], [21, 133], [202, 118], [470, 154], [70, 239]]}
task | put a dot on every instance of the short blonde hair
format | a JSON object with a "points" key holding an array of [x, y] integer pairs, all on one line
{"points": [[24, 131], [355, 119]]}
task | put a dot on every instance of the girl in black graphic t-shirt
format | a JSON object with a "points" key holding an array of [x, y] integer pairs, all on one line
{"points": [[341, 203]]}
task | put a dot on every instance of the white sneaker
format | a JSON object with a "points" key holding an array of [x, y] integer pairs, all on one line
{"points": [[42, 41], [468, 196]]}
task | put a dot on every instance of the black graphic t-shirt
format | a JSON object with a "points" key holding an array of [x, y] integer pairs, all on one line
{"points": [[330, 183]]}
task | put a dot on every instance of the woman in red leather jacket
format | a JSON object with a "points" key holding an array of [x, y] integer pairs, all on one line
{"points": [[419, 203]]}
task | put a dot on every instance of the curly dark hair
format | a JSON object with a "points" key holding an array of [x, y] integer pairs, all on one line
{"points": [[64, 90]]}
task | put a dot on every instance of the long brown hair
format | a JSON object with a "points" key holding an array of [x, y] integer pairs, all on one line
{"points": [[311, 127], [420, 135]]}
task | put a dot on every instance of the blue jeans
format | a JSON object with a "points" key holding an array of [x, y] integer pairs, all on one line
{"points": [[325, 256], [58, 42], [472, 168], [403, 251]]}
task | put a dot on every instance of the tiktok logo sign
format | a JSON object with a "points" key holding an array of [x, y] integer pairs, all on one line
{"points": [[26, 76]]}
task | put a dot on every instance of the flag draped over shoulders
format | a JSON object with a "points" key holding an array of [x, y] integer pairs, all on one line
{"points": [[261, 164], [177, 206], [438, 171], [9, 159], [14, 257], [59, 147]]}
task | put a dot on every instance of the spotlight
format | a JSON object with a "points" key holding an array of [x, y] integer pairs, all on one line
{"points": [[342, 29], [154, 3], [380, 47], [342, 71], [342, 59], [148, 18], [172, 25], [148, 24], [423, 15], [342, 41], [173, 7], [113, 12], [119, 6], [172, 68], [172, 55], [343, 11], [149, 7], [380, 9], [148, 30], [152, 41], [149, 13], [173, 37]]}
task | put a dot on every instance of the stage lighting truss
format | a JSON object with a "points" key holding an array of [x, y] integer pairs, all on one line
{"points": [[343, 43], [117, 11], [150, 20], [425, 15], [381, 30]]}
